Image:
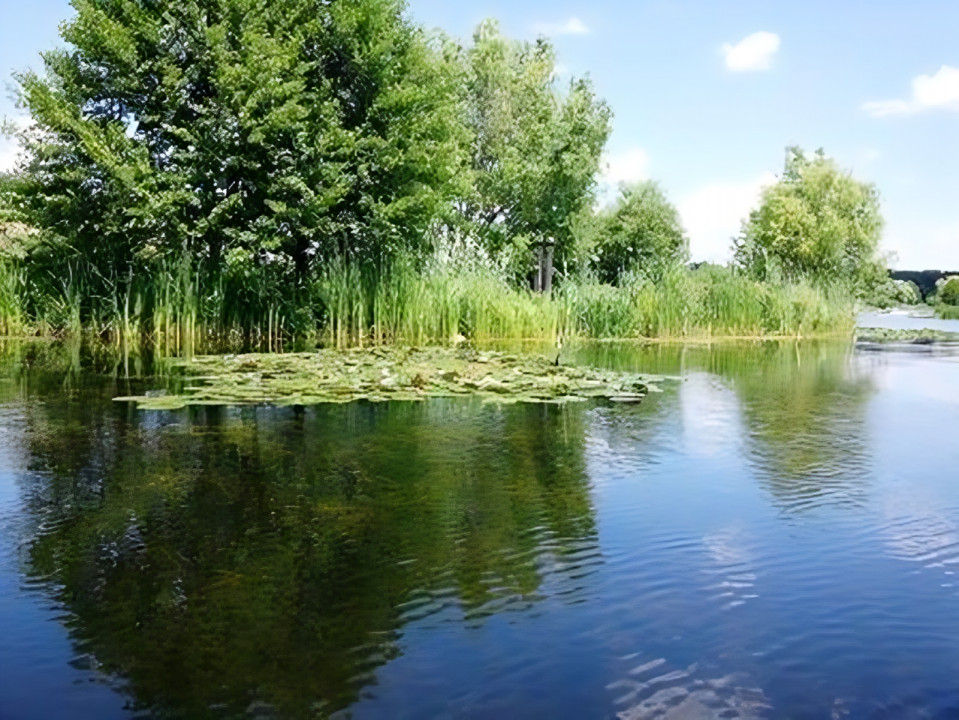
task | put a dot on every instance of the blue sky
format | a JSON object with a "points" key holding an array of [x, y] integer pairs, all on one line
{"points": [[708, 94]]}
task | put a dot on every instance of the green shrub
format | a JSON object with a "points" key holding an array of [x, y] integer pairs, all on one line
{"points": [[887, 293], [948, 293], [641, 232]]}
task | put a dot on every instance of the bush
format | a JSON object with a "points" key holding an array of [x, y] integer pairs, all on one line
{"points": [[817, 222], [948, 292], [642, 232], [887, 293]]}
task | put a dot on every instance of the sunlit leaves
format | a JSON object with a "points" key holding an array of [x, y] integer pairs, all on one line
{"points": [[816, 221]]}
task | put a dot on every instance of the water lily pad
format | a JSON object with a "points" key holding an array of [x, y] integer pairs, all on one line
{"points": [[390, 373]]}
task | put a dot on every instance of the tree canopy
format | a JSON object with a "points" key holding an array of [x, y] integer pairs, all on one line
{"points": [[231, 167], [817, 221], [641, 231], [246, 145], [535, 151], [244, 136]]}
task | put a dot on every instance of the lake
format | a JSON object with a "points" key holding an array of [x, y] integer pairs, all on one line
{"points": [[775, 534]]}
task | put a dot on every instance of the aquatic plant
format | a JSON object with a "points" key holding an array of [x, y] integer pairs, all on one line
{"points": [[389, 373], [921, 336], [178, 310]]}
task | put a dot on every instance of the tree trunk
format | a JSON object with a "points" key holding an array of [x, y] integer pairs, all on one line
{"points": [[548, 269], [538, 273]]}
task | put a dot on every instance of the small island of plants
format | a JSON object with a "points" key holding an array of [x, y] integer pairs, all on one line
{"points": [[390, 373], [262, 175]]}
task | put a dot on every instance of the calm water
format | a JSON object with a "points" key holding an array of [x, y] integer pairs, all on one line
{"points": [[917, 319], [774, 535]]}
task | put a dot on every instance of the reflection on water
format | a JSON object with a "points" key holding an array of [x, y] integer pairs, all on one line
{"points": [[771, 536], [797, 409]]}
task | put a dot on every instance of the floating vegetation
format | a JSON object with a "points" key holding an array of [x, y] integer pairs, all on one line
{"points": [[921, 336], [390, 373]]}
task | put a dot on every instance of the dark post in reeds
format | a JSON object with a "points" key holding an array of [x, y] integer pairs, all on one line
{"points": [[543, 272]]}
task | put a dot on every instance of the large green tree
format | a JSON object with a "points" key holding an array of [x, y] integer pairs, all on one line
{"points": [[818, 221], [242, 135], [536, 147], [641, 231]]}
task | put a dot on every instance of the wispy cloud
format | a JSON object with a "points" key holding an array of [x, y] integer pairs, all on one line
{"points": [[623, 168], [9, 149], [753, 52], [929, 92], [573, 26], [713, 214]]}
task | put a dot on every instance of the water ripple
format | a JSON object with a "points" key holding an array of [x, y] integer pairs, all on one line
{"points": [[652, 689]]}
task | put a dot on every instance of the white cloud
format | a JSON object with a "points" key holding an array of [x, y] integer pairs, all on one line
{"points": [[573, 26], [923, 245], [10, 146], [713, 214], [627, 167], [9, 149], [753, 52], [882, 108], [929, 92], [630, 166]]}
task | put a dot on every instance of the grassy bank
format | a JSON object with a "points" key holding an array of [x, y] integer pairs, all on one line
{"points": [[345, 306]]}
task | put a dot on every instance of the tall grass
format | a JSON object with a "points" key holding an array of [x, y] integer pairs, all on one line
{"points": [[439, 305], [709, 302], [179, 309], [13, 320], [433, 306]]}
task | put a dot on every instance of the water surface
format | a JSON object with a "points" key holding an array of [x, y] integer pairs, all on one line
{"points": [[776, 534], [909, 319]]}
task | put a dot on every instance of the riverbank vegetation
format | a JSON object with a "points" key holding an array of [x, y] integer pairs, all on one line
{"points": [[920, 336], [945, 298], [252, 174]]}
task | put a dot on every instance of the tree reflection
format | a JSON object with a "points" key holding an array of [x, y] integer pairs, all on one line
{"points": [[227, 560], [803, 406]]}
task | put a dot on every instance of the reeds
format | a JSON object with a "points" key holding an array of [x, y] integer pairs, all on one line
{"points": [[180, 309], [13, 320], [403, 305]]}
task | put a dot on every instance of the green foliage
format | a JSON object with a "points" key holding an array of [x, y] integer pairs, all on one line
{"points": [[254, 141], [535, 149], [886, 293], [817, 222], [240, 172], [711, 301], [948, 293], [908, 292], [441, 303], [641, 232], [435, 304]]}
